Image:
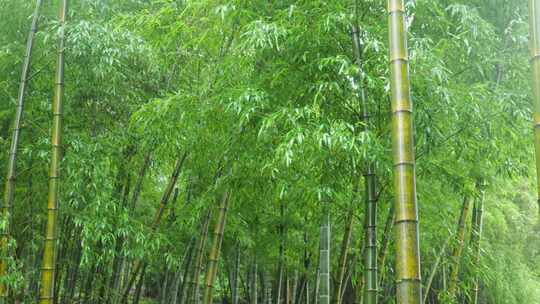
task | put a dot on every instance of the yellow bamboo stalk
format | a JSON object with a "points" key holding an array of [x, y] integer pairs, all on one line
{"points": [[408, 279], [49, 252], [534, 43], [211, 271]]}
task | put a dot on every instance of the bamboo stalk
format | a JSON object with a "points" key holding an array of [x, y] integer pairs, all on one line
{"points": [[384, 243], [193, 292], [12, 159], [458, 249], [216, 248], [324, 258], [477, 230], [370, 257], [49, 253], [434, 270], [408, 275], [253, 283], [534, 25], [157, 219], [343, 255]]}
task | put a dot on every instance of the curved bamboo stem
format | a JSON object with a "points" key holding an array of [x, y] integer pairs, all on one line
{"points": [[408, 278], [49, 252], [12, 158]]}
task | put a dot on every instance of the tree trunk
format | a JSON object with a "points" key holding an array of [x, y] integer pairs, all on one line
{"points": [[216, 248], [408, 274], [49, 253]]}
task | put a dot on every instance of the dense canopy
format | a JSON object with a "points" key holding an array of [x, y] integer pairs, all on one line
{"points": [[287, 152]]}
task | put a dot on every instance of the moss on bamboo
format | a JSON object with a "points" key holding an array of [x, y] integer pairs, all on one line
{"points": [[408, 279]]}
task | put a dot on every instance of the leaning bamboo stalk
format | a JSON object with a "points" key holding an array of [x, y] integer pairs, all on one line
{"points": [[157, 219], [193, 292], [534, 43], [408, 275], [49, 252], [344, 254], [12, 158], [434, 269], [477, 233], [216, 248], [458, 249], [384, 243]]}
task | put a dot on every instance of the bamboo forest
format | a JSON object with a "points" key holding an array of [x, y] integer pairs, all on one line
{"points": [[270, 151]]}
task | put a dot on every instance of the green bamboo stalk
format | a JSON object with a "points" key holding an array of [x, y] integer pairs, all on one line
{"points": [[157, 219], [370, 254], [193, 292], [370, 257], [324, 258], [458, 248], [216, 249], [344, 253], [384, 243], [408, 275], [49, 252], [477, 237], [434, 269], [534, 19], [12, 159], [253, 283]]}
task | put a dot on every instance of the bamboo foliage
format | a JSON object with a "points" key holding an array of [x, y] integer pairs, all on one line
{"points": [[12, 159], [213, 258], [408, 278], [49, 252], [534, 19]]}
